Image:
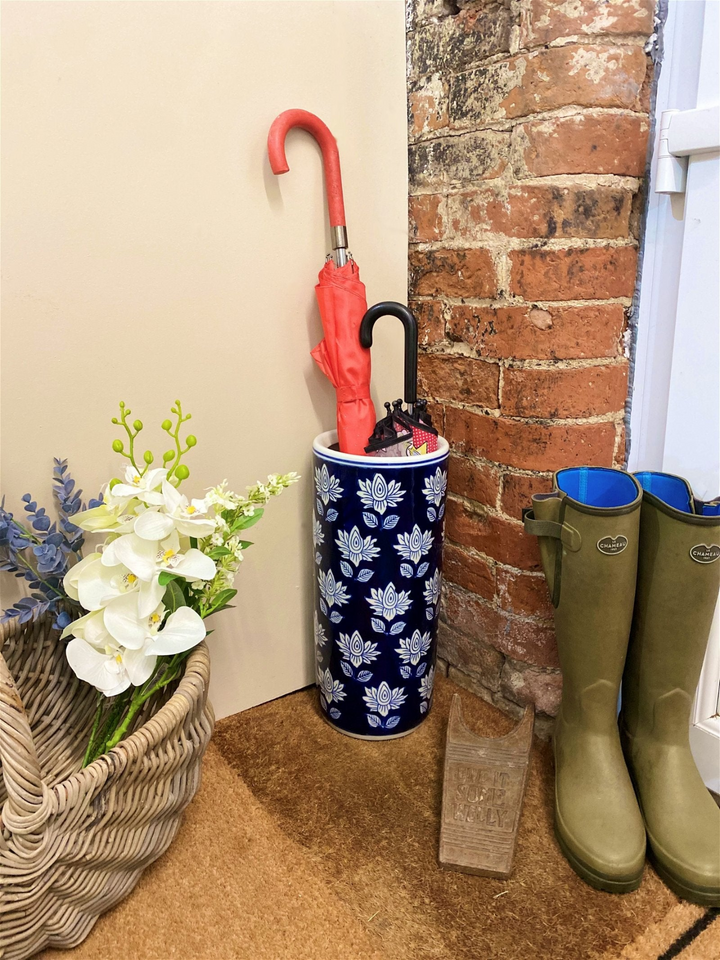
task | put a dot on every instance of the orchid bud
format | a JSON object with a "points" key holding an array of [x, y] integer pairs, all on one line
{"points": [[182, 472], [117, 446], [168, 455], [166, 425], [138, 425], [191, 440], [148, 457]]}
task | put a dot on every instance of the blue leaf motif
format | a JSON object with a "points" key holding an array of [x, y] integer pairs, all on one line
{"points": [[377, 625], [422, 569], [318, 559], [373, 720], [346, 568], [423, 707], [332, 516], [335, 616], [364, 676], [392, 722], [334, 713], [421, 670], [364, 575], [429, 613], [406, 672], [346, 668], [323, 606], [406, 570], [441, 512], [370, 519], [397, 628], [390, 521], [432, 514], [319, 507]]}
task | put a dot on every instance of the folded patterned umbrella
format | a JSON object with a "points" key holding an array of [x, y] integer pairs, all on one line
{"points": [[340, 293], [402, 433]]}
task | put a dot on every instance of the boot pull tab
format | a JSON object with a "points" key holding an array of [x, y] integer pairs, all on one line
{"points": [[568, 535], [550, 534]]}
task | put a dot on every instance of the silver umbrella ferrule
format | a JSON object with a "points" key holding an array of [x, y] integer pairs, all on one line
{"points": [[339, 243]]}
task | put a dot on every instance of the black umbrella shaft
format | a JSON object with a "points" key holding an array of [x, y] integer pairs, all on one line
{"points": [[389, 308]]}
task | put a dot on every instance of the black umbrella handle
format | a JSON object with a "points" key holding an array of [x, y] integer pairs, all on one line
{"points": [[389, 308]]}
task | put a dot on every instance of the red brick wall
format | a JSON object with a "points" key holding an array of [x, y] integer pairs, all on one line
{"points": [[528, 138]]}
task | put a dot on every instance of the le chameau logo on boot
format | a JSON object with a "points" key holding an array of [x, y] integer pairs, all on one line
{"points": [[704, 553], [612, 546]]}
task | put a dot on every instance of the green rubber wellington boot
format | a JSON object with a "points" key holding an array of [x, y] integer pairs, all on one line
{"points": [[588, 530], [677, 589]]}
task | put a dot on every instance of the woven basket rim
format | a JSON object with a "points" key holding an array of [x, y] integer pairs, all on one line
{"points": [[153, 731]]}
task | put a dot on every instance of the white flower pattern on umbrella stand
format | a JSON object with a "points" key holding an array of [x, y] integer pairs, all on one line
{"points": [[381, 700], [431, 593], [356, 548], [389, 603], [412, 650], [435, 487], [427, 684], [434, 490], [377, 494], [413, 546], [320, 638], [330, 690], [318, 535], [331, 590], [327, 486], [357, 652]]}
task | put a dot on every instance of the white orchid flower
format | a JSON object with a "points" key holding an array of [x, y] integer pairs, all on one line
{"points": [[96, 657], [127, 625], [112, 669], [90, 627], [70, 580], [113, 517], [148, 558], [183, 630], [145, 487], [176, 513], [95, 584]]}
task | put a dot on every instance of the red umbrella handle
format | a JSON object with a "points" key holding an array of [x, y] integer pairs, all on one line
{"points": [[331, 162]]}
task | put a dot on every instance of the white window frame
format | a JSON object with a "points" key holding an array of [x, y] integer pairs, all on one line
{"points": [[666, 429]]}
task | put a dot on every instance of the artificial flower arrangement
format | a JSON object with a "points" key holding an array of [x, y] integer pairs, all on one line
{"points": [[166, 564]]}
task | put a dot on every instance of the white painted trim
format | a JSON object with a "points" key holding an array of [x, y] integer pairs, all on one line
{"points": [[675, 387], [662, 251]]}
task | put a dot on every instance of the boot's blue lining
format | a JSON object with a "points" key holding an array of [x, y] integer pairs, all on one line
{"points": [[671, 490], [597, 486], [708, 509]]}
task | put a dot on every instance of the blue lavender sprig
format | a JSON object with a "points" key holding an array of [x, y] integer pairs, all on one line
{"points": [[40, 553]]}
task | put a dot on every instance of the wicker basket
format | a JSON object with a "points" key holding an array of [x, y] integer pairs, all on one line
{"points": [[74, 842]]}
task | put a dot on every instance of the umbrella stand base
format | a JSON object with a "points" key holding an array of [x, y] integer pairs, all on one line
{"points": [[365, 736]]}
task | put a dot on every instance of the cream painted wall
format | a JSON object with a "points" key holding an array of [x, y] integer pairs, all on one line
{"points": [[149, 253]]}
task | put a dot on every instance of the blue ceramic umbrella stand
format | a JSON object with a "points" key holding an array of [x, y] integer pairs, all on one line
{"points": [[378, 536]]}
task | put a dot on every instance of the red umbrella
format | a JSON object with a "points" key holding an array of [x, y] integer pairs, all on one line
{"points": [[340, 292]]}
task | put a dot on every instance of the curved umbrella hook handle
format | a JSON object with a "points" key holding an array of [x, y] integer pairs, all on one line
{"points": [[331, 164], [389, 308]]}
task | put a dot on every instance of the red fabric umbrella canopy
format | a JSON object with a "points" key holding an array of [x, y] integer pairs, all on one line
{"points": [[342, 301]]}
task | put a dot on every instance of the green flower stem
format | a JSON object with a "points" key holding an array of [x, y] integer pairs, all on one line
{"points": [[124, 414], [94, 732], [107, 727], [141, 695], [175, 434]]}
